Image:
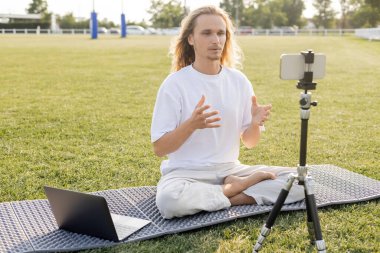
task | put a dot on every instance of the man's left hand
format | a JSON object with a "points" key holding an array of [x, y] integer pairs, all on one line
{"points": [[260, 113]]}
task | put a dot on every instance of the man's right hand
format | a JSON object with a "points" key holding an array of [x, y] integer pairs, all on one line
{"points": [[201, 119]]}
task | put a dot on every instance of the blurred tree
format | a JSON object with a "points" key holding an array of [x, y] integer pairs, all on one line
{"points": [[40, 7], [269, 13], [365, 16], [348, 8], [374, 15], [249, 17], [141, 23], [278, 17], [325, 16], [166, 15], [37, 7], [235, 8], [344, 9], [68, 21], [263, 14], [105, 23], [375, 4], [293, 11]]}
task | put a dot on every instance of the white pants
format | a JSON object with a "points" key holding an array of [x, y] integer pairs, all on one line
{"points": [[186, 191]]}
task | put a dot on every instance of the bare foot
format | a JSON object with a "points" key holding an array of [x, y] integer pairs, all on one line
{"points": [[234, 185], [242, 199]]}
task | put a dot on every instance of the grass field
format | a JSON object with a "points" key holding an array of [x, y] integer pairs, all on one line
{"points": [[76, 113]]}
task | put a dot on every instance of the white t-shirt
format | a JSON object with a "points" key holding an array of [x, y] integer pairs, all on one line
{"points": [[229, 92]]}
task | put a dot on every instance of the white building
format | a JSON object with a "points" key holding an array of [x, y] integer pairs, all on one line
{"points": [[19, 18]]}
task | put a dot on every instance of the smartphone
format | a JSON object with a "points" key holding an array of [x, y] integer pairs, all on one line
{"points": [[292, 66]]}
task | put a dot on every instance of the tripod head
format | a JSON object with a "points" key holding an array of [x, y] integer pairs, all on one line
{"points": [[306, 83]]}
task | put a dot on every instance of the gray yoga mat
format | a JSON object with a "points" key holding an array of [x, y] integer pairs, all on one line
{"points": [[29, 226]]}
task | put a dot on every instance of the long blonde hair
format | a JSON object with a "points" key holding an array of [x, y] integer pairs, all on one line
{"points": [[183, 53]]}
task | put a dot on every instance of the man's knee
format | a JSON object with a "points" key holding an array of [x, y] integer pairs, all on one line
{"points": [[168, 202]]}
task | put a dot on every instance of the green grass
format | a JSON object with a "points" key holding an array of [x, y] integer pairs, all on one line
{"points": [[76, 113]]}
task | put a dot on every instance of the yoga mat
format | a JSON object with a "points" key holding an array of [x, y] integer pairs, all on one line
{"points": [[29, 226]]}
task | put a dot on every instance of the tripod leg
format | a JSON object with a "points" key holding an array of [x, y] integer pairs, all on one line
{"points": [[310, 225], [312, 209], [265, 230]]}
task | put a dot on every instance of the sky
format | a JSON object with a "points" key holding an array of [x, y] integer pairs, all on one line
{"points": [[135, 10]]}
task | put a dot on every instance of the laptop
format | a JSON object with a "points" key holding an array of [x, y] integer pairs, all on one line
{"points": [[89, 214]]}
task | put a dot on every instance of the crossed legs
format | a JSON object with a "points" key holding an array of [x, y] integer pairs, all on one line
{"points": [[233, 187], [185, 192]]}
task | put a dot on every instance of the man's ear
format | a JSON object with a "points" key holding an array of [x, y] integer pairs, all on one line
{"points": [[190, 40]]}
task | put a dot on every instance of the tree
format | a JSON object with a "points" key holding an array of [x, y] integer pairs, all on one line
{"points": [[249, 16], [375, 4], [374, 17], [235, 8], [165, 15], [269, 13], [255, 13], [293, 11], [278, 16], [366, 13], [67, 21], [106, 23], [325, 14], [40, 7], [37, 7], [344, 9], [142, 23]]}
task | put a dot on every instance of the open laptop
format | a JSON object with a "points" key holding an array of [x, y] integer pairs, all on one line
{"points": [[89, 214]]}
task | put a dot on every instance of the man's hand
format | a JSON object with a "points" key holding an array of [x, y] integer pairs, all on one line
{"points": [[201, 119], [260, 113]]}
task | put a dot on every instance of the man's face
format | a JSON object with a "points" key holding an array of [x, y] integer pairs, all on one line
{"points": [[208, 37]]}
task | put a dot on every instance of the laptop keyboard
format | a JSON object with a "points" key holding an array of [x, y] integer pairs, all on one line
{"points": [[125, 225], [124, 231]]}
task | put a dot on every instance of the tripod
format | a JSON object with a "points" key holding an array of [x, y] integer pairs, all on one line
{"points": [[314, 227]]}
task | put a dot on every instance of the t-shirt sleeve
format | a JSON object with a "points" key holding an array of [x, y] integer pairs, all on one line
{"points": [[167, 111]]}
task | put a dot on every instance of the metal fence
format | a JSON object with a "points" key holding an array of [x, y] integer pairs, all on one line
{"points": [[252, 32]]}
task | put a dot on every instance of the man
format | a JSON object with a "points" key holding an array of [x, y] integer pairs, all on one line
{"points": [[202, 111]]}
